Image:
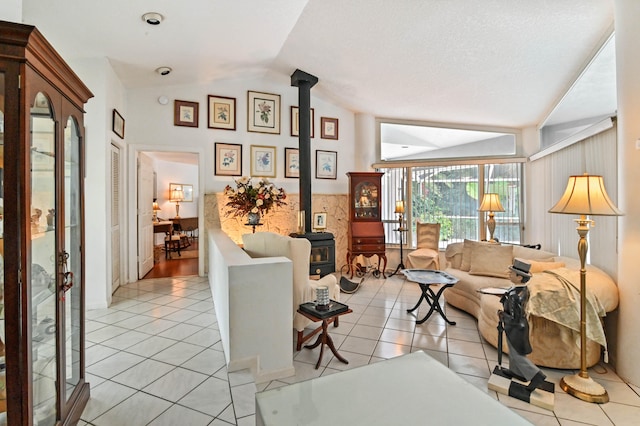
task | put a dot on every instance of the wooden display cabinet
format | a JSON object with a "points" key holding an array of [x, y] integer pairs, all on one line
{"points": [[41, 194], [366, 232]]}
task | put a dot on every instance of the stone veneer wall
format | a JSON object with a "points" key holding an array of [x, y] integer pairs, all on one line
{"points": [[281, 220]]}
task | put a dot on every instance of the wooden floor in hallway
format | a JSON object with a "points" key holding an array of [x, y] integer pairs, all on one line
{"points": [[176, 266]]}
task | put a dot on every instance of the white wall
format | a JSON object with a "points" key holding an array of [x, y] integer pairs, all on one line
{"points": [[108, 93], [151, 124], [11, 10], [627, 15], [533, 230], [367, 142]]}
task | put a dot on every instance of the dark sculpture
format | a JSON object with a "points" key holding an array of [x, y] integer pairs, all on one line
{"points": [[513, 321]]}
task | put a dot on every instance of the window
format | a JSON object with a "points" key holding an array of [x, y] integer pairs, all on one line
{"points": [[587, 105], [450, 195], [407, 141]]}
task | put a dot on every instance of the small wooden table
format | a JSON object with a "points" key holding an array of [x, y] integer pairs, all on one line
{"points": [[324, 338]]}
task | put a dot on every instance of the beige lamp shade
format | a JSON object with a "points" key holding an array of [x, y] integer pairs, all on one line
{"points": [[177, 195], [586, 195], [399, 206], [491, 203], [156, 207]]}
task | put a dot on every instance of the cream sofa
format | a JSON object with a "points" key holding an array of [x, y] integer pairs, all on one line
{"points": [[556, 345]]}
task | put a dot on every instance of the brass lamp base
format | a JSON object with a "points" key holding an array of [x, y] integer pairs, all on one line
{"points": [[491, 224], [584, 388]]}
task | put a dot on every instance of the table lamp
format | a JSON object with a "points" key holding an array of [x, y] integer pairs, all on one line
{"points": [[177, 195], [156, 209], [400, 211], [491, 203], [585, 196]]}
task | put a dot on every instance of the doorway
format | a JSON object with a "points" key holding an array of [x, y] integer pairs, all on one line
{"points": [[170, 170]]}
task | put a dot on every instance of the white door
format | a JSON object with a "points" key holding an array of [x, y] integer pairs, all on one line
{"points": [[116, 215], [145, 215]]}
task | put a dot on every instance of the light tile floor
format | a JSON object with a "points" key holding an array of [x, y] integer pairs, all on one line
{"points": [[155, 358]]}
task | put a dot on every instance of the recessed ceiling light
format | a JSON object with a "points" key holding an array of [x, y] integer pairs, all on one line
{"points": [[404, 147], [163, 70], [152, 18]]}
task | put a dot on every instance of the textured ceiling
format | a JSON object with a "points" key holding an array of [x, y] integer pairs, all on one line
{"points": [[490, 62]]}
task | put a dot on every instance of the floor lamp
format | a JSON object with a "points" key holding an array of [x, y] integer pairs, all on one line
{"points": [[491, 203], [585, 196]]}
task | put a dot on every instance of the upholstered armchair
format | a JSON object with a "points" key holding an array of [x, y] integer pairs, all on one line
{"points": [[298, 250], [426, 255]]}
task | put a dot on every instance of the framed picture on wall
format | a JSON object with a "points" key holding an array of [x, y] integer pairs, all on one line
{"points": [[118, 124], [263, 161], [291, 163], [263, 112], [328, 128], [326, 164], [185, 113], [295, 123], [228, 159], [222, 112], [320, 221]]}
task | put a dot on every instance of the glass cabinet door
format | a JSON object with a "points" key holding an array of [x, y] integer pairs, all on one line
{"points": [[72, 264], [365, 200], [3, 388], [43, 257]]}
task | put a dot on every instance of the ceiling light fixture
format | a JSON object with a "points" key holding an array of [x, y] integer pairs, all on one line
{"points": [[163, 70], [152, 18]]}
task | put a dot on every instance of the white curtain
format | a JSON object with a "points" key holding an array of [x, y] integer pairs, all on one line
{"points": [[595, 155]]}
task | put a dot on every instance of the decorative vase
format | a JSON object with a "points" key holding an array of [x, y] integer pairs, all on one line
{"points": [[253, 218], [322, 298]]}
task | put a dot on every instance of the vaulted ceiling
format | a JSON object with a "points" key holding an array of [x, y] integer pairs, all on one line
{"points": [[490, 62]]}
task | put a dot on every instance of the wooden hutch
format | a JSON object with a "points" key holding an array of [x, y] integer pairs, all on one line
{"points": [[42, 243], [366, 232]]}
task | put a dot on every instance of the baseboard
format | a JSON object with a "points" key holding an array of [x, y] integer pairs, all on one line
{"points": [[260, 375]]}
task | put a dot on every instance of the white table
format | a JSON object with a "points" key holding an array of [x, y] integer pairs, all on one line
{"points": [[410, 389]]}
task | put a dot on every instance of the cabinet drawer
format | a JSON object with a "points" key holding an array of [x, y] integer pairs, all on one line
{"points": [[375, 248], [368, 240]]}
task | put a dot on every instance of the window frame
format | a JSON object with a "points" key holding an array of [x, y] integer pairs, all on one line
{"points": [[390, 219]]}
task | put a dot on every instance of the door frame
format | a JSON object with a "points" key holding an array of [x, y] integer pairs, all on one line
{"points": [[132, 196]]}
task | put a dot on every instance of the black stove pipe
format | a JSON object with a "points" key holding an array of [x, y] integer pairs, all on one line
{"points": [[304, 82]]}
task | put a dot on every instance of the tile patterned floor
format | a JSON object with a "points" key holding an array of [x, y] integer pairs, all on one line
{"points": [[155, 358]]}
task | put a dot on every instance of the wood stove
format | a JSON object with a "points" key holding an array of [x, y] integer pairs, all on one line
{"points": [[323, 252], [323, 245]]}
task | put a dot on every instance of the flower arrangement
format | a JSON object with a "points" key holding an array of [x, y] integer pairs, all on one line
{"points": [[247, 198]]}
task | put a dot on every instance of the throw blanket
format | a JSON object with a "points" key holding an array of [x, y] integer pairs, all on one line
{"points": [[555, 295]]}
